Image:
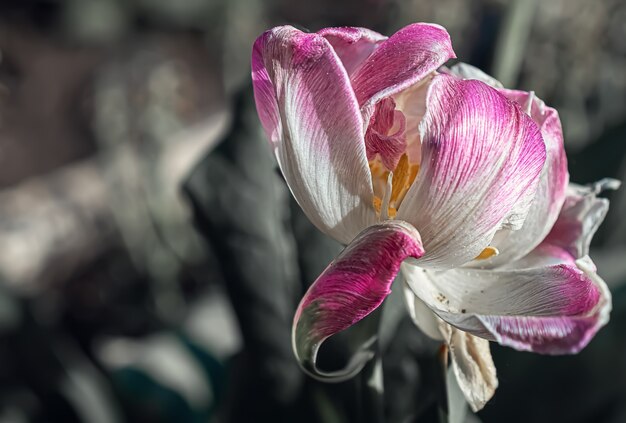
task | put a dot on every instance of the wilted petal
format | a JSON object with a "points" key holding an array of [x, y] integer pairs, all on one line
{"points": [[472, 365], [405, 58], [554, 309], [309, 112], [352, 45], [353, 286], [580, 217], [481, 156]]}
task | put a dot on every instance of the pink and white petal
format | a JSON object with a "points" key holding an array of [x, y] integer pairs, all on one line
{"points": [[480, 156], [466, 71], [514, 244], [352, 44], [472, 365], [542, 256], [555, 309], [404, 59], [551, 190], [412, 102], [352, 286], [264, 92], [318, 143], [580, 217], [422, 316]]}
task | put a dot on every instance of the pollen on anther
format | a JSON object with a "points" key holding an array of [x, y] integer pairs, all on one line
{"points": [[403, 176], [487, 253]]}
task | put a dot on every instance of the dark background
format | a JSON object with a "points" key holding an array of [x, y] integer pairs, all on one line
{"points": [[151, 258]]}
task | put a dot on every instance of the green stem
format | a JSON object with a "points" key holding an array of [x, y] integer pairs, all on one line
{"points": [[442, 397]]}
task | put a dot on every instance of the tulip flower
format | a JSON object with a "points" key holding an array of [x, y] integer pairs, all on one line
{"points": [[439, 174]]}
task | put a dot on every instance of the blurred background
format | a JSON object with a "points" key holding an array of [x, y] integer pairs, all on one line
{"points": [[151, 257]]}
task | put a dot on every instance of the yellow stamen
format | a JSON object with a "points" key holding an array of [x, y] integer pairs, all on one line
{"points": [[379, 177], [414, 168], [377, 168], [377, 203], [487, 253], [403, 176]]}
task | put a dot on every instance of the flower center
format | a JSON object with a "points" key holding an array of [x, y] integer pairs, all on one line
{"points": [[385, 136], [386, 148]]}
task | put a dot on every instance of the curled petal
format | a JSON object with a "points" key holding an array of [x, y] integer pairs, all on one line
{"points": [[404, 59], [352, 286], [481, 158], [352, 45], [318, 142], [554, 309], [580, 217], [472, 365]]}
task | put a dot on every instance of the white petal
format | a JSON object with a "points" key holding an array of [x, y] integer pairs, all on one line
{"points": [[422, 316]]}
